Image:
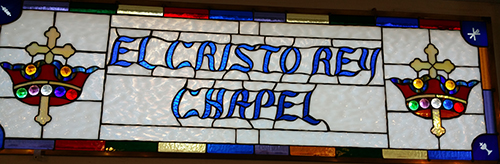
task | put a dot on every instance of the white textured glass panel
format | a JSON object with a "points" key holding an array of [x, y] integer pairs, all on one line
{"points": [[249, 28], [167, 35], [272, 77], [247, 136], [344, 109], [146, 133], [461, 131], [452, 46], [475, 101], [294, 87], [14, 56], [378, 78], [196, 122], [30, 27], [92, 89], [17, 119], [140, 100], [174, 24], [5, 84], [193, 37], [401, 72], [251, 85], [409, 131], [323, 31], [264, 124], [279, 41], [76, 29], [323, 79], [395, 99], [304, 43], [326, 138], [182, 72], [231, 85], [300, 125], [466, 74], [232, 123], [201, 74], [133, 69], [295, 78], [356, 43], [199, 84], [87, 60], [250, 40], [362, 78], [236, 75], [133, 32], [155, 52], [307, 56], [404, 45], [75, 120]]}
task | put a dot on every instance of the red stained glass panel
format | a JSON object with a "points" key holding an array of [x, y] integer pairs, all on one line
{"points": [[439, 24], [83, 145], [185, 13]]}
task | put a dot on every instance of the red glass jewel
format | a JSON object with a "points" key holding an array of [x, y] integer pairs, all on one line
{"points": [[459, 107], [71, 94]]}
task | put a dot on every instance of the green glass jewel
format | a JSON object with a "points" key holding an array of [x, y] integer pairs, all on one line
{"points": [[413, 105], [21, 92]]}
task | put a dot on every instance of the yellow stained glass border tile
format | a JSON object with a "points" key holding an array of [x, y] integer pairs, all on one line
{"points": [[140, 10], [307, 18], [182, 147], [404, 154]]}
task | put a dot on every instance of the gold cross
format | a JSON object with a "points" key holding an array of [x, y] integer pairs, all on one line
{"points": [[50, 49], [432, 65]]}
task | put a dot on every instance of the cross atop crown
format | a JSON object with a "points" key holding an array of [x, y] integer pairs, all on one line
{"points": [[432, 65], [50, 49]]}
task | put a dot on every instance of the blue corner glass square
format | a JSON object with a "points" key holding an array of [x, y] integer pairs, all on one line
{"points": [[474, 33], [485, 147]]}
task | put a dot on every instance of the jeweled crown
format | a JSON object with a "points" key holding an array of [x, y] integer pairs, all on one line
{"points": [[433, 96], [47, 82]]}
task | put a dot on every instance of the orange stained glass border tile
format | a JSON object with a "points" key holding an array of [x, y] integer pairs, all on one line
{"points": [[485, 72], [312, 151]]}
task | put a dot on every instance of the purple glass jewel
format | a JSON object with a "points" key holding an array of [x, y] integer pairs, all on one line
{"points": [[424, 103], [33, 90], [60, 91]]}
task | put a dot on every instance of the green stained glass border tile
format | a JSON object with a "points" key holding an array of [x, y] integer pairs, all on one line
{"points": [[359, 152], [132, 146], [100, 8], [352, 20]]}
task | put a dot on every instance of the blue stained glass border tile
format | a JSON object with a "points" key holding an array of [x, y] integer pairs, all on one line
{"points": [[2, 137], [449, 155], [43, 5], [231, 15], [29, 144], [397, 22], [230, 149]]}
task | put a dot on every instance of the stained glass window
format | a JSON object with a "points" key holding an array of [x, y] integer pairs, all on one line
{"points": [[89, 77]]}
